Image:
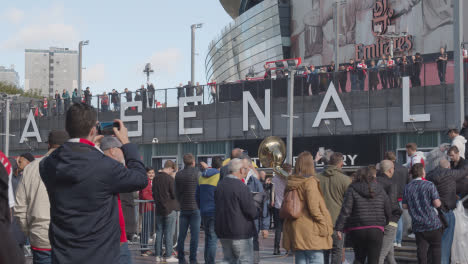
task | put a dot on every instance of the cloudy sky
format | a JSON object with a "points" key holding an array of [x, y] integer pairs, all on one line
{"points": [[123, 35]]}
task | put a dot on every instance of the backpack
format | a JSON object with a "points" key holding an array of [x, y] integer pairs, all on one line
{"points": [[292, 205]]}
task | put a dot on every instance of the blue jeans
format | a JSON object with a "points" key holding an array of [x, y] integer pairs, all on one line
{"points": [[237, 251], [165, 227], [399, 234], [447, 237], [188, 219], [147, 228], [211, 239], [42, 256], [125, 255], [309, 256]]}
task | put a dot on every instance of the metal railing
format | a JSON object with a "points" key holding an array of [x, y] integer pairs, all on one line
{"points": [[312, 84]]}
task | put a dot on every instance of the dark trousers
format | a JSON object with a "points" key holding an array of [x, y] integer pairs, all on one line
{"points": [[278, 227], [383, 79], [442, 71], [211, 240], [42, 256], [336, 251], [367, 244], [429, 241], [188, 219]]}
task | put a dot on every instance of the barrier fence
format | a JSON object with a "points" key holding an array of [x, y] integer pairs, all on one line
{"points": [[377, 78]]}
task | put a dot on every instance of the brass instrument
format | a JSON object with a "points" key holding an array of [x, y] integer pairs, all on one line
{"points": [[272, 153]]}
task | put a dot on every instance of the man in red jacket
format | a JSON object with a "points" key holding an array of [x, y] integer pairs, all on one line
{"points": [[147, 212]]}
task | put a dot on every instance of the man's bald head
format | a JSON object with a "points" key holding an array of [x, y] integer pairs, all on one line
{"points": [[387, 167], [236, 153], [444, 164]]}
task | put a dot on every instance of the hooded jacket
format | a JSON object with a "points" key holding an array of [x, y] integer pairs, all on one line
{"points": [[459, 142], [206, 191], [361, 208], [82, 184], [313, 229], [333, 184]]}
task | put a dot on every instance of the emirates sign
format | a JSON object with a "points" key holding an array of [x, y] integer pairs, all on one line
{"points": [[382, 16]]}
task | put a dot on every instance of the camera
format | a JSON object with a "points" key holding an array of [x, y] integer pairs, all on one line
{"points": [[107, 128]]}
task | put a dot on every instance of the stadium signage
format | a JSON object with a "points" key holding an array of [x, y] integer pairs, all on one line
{"points": [[382, 16], [264, 118]]}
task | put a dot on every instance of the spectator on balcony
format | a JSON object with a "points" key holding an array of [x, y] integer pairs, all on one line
{"points": [[213, 90], [352, 72], [390, 72], [323, 86], [58, 100], [66, 100], [373, 76], [417, 65], [396, 73], [442, 65], [189, 91], [382, 65], [45, 106], [180, 91], [199, 91], [54, 108], [88, 95], [361, 74], [128, 95], [267, 74], [144, 98], [75, 96], [312, 80], [332, 76], [115, 100], [104, 102], [137, 96], [405, 69], [151, 91], [342, 78]]}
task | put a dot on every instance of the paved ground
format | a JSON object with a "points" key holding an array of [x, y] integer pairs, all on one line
{"points": [[266, 253]]}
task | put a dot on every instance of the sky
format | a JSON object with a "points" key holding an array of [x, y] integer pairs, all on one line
{"points": [[123, 36]]}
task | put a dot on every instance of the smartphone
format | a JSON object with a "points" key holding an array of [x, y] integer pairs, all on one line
{"points": [[107, 128]]}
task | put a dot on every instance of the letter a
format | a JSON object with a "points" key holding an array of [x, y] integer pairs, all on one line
{"points": [[34, 133], [341, 113]]}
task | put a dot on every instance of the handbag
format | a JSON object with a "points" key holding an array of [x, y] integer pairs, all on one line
{"points": [[292, 205]]}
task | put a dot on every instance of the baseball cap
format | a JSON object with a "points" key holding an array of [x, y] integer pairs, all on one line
{"points": [[110, 142], [57, 137]]}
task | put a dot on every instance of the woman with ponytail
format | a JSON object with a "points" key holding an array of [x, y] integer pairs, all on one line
{"points": [[364, 214]]}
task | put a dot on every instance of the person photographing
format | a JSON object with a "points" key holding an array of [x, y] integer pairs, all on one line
{"points": [[82, 184]]}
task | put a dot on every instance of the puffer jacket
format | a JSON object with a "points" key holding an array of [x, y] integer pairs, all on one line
{"points": [[360, 209], [313, 229], [445, 182], [186, 182], [334, 185], [391, 190], [32, 206]]}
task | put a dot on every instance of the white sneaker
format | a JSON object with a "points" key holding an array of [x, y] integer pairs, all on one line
{"points": [[150, 241], [159, 259], [399, 245], [172, 259], [411, 236], [395, 244]]}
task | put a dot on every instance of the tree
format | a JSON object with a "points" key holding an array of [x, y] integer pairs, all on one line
{"points": [[12, 89]]}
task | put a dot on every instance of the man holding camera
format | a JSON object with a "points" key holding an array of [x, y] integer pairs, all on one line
{"points": [[82, 184]]}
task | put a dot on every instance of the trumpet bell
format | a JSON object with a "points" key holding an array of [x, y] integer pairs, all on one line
{"points": [[272, 153]]}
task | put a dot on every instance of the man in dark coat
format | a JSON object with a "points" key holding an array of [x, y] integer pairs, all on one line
{"points": [[82, 184], [445, 181], [144, 98]]}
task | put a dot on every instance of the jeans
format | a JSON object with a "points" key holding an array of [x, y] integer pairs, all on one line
{"points": [[188, 219], [387, 251], [367, 244], [429, 240], [308, 256], [237, 251], [354, 84], [278, 227], [399, 234], [211, 240], [125, 255], [336, 252], [441, 69], [42, 256], [165, 228], [447, 237]]}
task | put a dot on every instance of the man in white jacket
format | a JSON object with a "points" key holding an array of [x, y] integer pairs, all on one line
{"points": [[32, 206], [457, 140]]}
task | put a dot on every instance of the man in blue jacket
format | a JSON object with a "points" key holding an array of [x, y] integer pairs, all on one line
{"points": [[205, 199], [83, 184]]}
